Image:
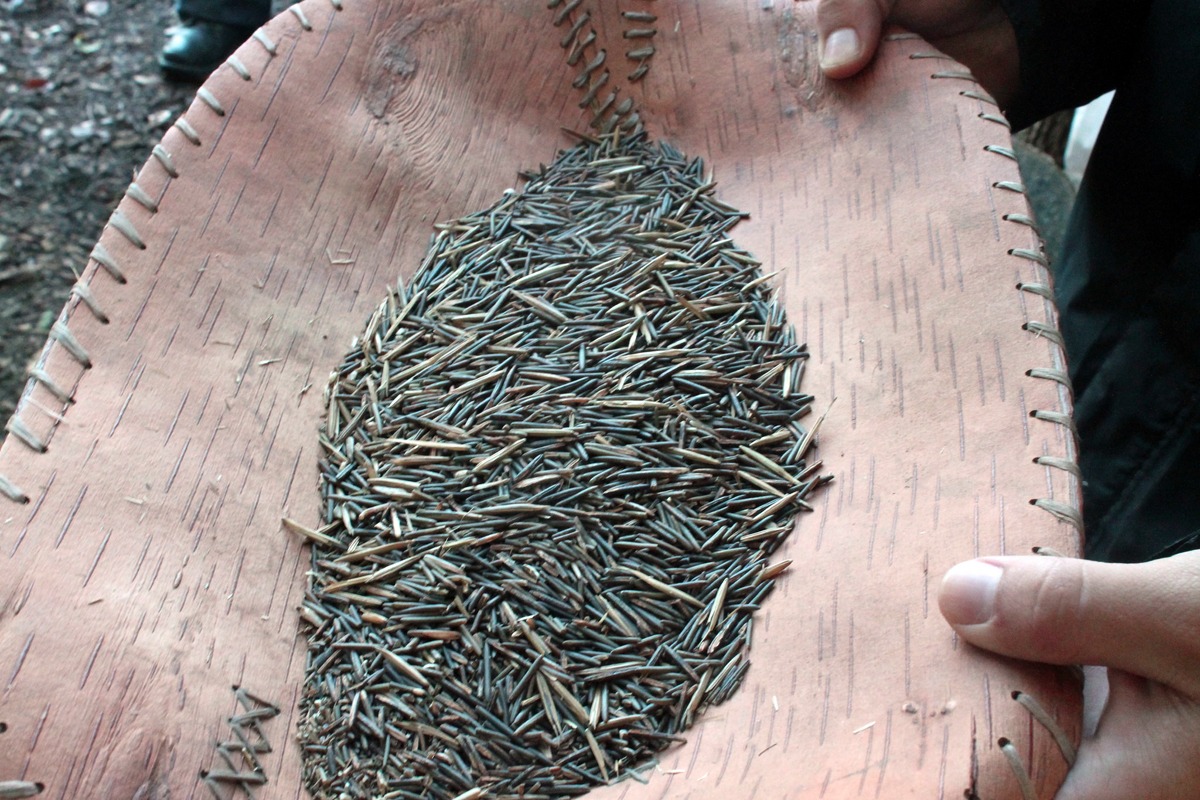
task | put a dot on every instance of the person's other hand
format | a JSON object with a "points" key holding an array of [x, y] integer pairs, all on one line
{"points": [[1142, 621], [975, 32]]}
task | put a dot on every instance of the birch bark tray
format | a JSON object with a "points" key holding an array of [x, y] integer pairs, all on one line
{"points": [[171, 420]]}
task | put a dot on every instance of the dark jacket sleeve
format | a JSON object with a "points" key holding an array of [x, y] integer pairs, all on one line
{"points": [[1071, 51]]}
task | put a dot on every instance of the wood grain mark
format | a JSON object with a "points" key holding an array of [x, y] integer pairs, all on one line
{"points": [[871, 540], [695, 753], [999, 367], [88, 752], [934, 344], [962, 431], [825, 710], [87, 670], [125, 405], [330, 17], [987, 184], [892, 539], [833, 622], [217, 182], [37, 505], [324, 176], [24, 599], [917, 314], [850, 670], [821, 633], [141, 309], [958, 260], [37, 730], [71, 516], [824, 519], [753, 722], [169, 340], [262, 148], [137, 567], [866, 768], [175, 469], [725, 761], [166, 251], [892, 305], [925, 586], [287, 491], [1003, 543], [96, 560], [12, 678], [283, 71], [237, 574], [942, 767], [237, 199], [887, 748], [337, 70], [741, 778], [987, 710], [941, 259], [178, 412], [228, 118]]}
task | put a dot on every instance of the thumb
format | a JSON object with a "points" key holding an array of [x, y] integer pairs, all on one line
{"points": [[1147, 746], [1141, 618], [849, 33]]}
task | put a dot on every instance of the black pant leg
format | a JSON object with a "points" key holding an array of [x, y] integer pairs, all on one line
{"points": [[1129, 294], [241, 13]]}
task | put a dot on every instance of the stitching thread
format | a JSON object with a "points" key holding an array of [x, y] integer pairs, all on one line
{"points": [[210, 100], [1049, 723], [261, 37], [188, 131], [40, 375], [17, 427], [236, 64], [120, 223], [607, 114], [242, 768], [164, 158], [62, 334], [299, 14], [81, 292], [12, 491], [100, 255], [84, 293], [1018, 768], [1061, 511], [139, 196]]}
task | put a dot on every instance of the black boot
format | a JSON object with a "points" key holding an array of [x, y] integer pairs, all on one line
{"points": [[197, 47]]}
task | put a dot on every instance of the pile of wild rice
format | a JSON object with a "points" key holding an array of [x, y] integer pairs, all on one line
{"points": [[554, 470]]}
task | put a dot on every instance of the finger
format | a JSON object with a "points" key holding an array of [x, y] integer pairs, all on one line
{"points": [[848, 32], [1147, 746], [1142, 618]]}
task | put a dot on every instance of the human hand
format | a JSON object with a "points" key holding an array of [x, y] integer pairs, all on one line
{"points": [[975, 32], [1142, 621]]}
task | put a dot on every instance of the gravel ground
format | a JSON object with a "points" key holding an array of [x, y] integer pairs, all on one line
{"points": [[81, 104]]}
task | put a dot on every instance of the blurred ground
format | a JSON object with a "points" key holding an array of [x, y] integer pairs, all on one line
{"points": [[82, 104]]}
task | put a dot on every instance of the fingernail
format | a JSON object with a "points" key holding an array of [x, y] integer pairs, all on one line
{"points": [[841, 47], [969, 592]]}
